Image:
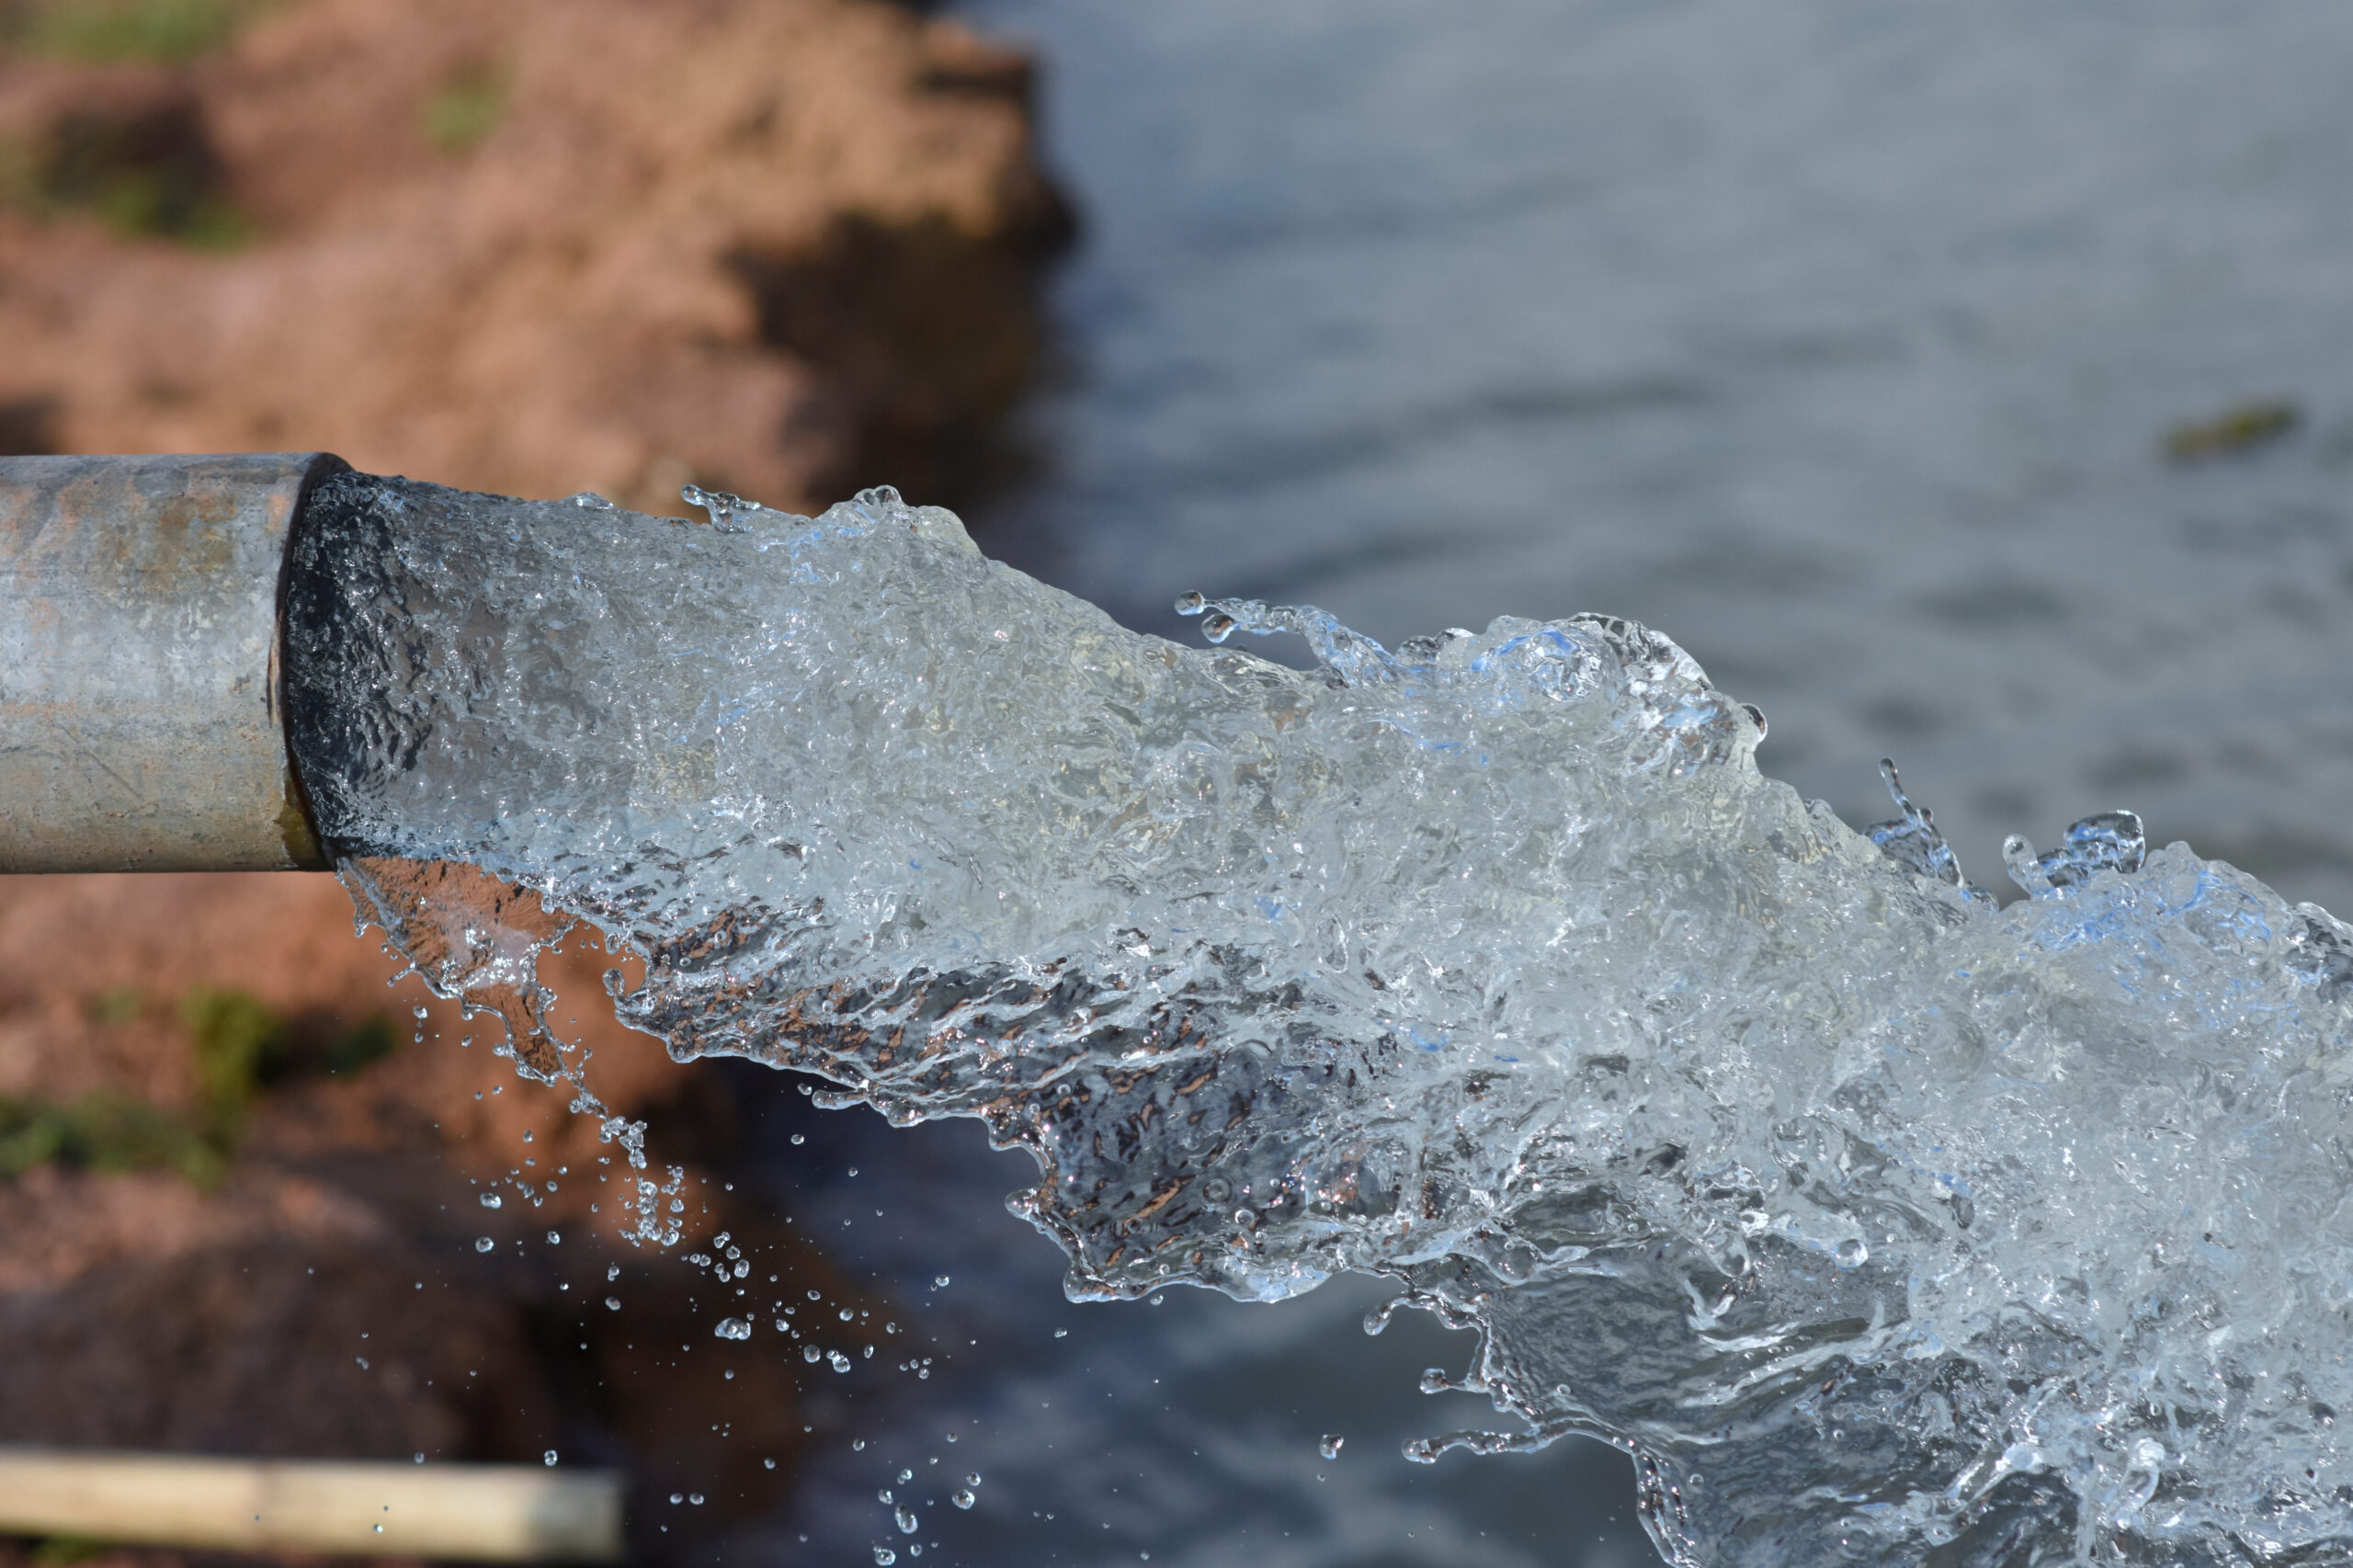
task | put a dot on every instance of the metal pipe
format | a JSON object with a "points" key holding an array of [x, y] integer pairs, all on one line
{"points": [[141, 728]]}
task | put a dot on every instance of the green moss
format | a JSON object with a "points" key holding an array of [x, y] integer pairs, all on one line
{"points": [[117, 1005], [2234, 430], [149, 175], [206, 224], [357, 1048], [19, 172], [236, 1043], [237, 1046], [466, 110], [108, 1134], [167, 30]]}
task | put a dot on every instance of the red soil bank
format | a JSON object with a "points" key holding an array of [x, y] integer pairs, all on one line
{"points": [[787, 247]]}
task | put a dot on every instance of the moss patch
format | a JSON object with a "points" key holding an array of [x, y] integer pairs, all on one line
{"points": [[466, 110], [166, 30], [148, 173], [237, 1047], [2232, 431]]}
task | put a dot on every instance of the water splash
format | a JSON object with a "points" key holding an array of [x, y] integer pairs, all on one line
{"points": [[719, 504], [1880, 1225], [2110, 841], [1913, 842]]}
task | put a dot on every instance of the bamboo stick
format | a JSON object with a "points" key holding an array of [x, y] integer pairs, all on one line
{"points": [[488, 1512]]}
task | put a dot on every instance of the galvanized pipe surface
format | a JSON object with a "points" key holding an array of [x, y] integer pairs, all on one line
{"points": [[139, 721]]}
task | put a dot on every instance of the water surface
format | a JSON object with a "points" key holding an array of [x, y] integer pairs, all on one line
{"points": [[1839, 343]]}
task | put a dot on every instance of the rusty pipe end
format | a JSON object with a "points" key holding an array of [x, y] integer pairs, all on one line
{"points": [[141, 725]]}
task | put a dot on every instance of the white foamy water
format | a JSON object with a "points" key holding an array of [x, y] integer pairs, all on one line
{"points": [[1873, 1220]]}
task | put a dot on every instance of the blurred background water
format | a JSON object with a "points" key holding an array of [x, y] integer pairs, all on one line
{"points": [[1843, 345]]}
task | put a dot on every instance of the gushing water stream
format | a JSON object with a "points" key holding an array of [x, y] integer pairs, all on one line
{"points": [[1880, 1224]]}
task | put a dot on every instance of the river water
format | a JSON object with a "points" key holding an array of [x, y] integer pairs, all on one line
{"points": [[1841, 344]]}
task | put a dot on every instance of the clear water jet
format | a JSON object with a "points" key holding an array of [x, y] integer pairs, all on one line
{"points": [[1879, 1224]]}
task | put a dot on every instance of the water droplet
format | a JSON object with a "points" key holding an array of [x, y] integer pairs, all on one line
{"points": [[963, 1499], [733, 1328], [1330, 1447], [908, 1523], [1852, 1253], [797, 1139], [1245, 1218], [677, 1497], [1062, 1334], [811, 1353], [549, 1457], [484, 1243], [589, 501], [1216, 1189], [554, 1237], [420, 1013], [940, 1283], [973, 1479], [1190, 603], [612, 1303], [492, 1200], [886, 1496], [694, 1499], [1217, 626], [884, 1556], [839, 1362], [905, 1476]]}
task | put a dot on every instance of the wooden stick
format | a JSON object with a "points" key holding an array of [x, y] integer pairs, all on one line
{"points": [[488, 1512]]}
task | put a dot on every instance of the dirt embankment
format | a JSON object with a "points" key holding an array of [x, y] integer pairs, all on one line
{"points": [[320, 1289], [787, 247]]}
